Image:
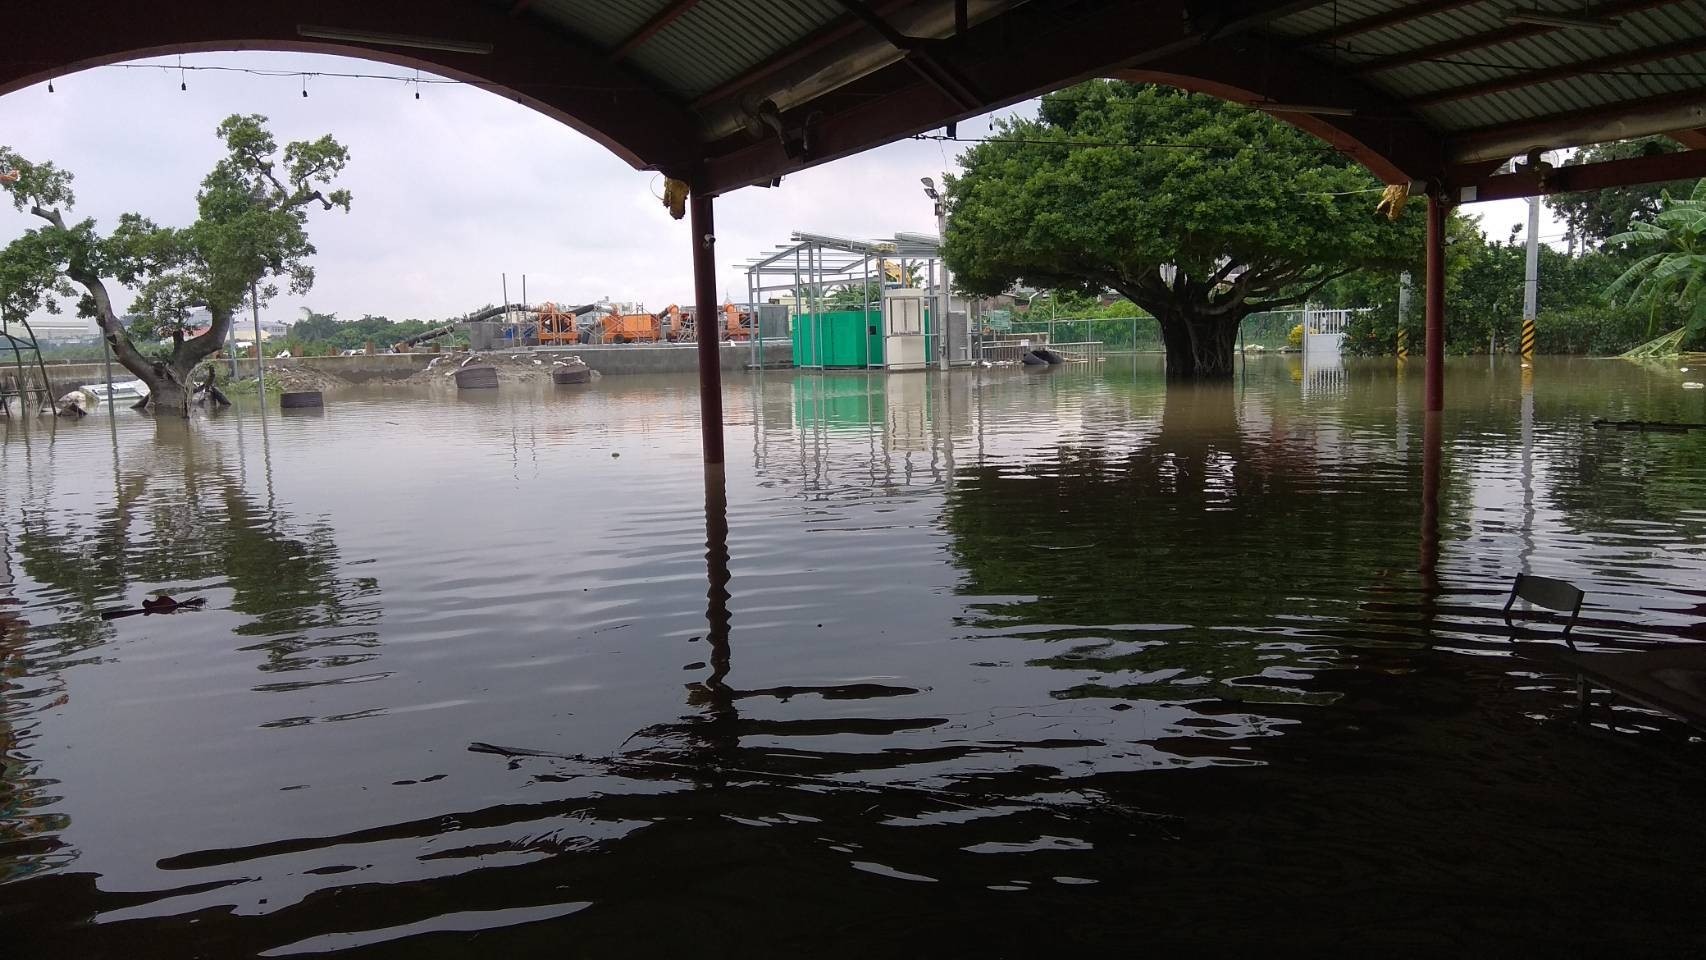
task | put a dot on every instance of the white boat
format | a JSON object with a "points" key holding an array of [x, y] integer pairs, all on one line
{"points": [[122, 390]]}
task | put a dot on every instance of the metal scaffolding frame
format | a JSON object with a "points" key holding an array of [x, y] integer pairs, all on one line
{"points": [[810, 265]]}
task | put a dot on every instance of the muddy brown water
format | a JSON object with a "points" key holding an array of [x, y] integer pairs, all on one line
{"points": [[1005, 663]]}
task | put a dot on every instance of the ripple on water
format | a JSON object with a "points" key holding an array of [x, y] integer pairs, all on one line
{"points": [[1071, 635]]}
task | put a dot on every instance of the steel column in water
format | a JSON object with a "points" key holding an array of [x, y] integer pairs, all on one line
{"points": [[1434, 380], [705, 326]]}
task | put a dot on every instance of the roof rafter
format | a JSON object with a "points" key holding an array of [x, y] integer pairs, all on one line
{"points": [[1392, 18], [651, 28], [1657, 168], [1493, 38], [1613, 121], [1627, 58]]}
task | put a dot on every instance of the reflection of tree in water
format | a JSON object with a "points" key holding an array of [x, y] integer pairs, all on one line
{"points": [[193, 531], [1203, 551], [1614, 476], [206, 532], [26, 838]]}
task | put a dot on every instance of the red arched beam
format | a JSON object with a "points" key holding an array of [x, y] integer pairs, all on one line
{"points": [[1394, 145], [560, 76], [1143, 41]]}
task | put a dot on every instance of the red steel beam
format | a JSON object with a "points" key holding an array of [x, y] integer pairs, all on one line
{"points": [[1404, 14], [707, 325], [1628, 58], [1434, 374], [1493, 38], [652, 27], [1693, 138], [1657, 168]]}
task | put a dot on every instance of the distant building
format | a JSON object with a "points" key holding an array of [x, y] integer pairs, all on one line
{"points": [[57, 329]]}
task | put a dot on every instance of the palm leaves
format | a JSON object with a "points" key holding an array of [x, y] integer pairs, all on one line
{"points": [[1672, 277]]}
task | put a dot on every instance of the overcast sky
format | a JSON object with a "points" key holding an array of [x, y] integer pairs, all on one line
{"points": [[454, 189]]}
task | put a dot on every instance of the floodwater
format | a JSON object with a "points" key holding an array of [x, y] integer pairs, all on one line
{"points": [[999, 664]]}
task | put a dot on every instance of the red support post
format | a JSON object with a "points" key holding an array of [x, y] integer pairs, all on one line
{"points": [[1434, 380], [706, 326]]}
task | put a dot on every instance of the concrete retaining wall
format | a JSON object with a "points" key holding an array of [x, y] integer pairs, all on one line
{"points": [[607, 359]]}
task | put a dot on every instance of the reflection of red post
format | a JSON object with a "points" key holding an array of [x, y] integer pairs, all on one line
{"points": [[1430, 505], [1438, 210], [705, 327]]}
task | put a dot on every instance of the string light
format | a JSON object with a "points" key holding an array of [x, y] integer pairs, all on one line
{"points": [[305, 86], [183, 83]]}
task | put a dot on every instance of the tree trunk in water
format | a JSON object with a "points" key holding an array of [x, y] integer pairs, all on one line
{"points": [[169, 398], [1199, 348]]}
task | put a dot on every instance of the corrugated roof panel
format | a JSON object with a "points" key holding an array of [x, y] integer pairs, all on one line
{"points": [[1574, 93], [605, 22], [1329, 14], [720, 39], [1424, 32]]}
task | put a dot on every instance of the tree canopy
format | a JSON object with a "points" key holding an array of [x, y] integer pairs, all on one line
{"points": [[1198, 210], [250, 231], [1595, 216]]}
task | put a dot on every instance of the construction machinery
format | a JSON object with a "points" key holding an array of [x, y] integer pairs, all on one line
{"points": [[560, 325]]}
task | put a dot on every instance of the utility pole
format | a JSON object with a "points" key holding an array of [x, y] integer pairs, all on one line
{"points": [[1531, 281], [260, 368], [946, 303]]}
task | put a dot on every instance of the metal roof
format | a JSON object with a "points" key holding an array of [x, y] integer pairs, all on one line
{"points": [[734, 92], [1447, 58]]}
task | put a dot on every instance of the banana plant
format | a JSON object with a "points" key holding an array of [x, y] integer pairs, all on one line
{"points": [[1671, 276]]}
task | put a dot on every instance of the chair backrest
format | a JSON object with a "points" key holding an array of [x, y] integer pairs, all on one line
{"points": [[1547, 592]]}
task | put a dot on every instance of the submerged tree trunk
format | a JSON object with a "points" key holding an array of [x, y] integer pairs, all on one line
{"points": [[1199, 348]]}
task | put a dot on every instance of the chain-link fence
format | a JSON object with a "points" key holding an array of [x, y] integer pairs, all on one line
{"points": [[1142, 334]]}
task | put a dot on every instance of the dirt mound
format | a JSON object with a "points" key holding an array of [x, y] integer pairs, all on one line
{"points": [[529, 367]]}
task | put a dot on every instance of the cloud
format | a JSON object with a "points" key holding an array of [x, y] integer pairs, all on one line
{"points": [[453, 191]]}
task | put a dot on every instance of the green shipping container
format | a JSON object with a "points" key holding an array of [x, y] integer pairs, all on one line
{"points": [[846, 339]]}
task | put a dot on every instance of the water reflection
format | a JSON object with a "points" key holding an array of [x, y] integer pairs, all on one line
{"points": [[950, 666]]}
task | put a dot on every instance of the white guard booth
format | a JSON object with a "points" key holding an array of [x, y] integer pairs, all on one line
{"points": [[903, 329]]}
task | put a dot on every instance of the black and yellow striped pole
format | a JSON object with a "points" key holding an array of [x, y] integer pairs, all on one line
{"points": [[1403, 344], [1527, 340]]}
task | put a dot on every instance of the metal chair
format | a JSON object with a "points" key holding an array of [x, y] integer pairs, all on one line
{"points": [[1549, 593]]}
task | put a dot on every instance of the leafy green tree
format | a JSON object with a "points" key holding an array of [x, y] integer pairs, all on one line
{"points": [[1236, 214], [1593, 217], [314, 327], [1483, 299], [250, 230], [1671, 275]]}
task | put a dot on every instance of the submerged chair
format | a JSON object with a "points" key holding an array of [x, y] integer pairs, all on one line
{"points": [[1549, 593], [1671, 680]]}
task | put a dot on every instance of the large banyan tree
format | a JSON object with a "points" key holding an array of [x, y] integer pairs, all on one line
{"points": [[250, 232], [1199, 211]]}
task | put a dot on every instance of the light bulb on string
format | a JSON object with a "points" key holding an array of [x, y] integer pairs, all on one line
{"points": [[183, 81], [50, 86], [417, 84], [305, 86]]}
